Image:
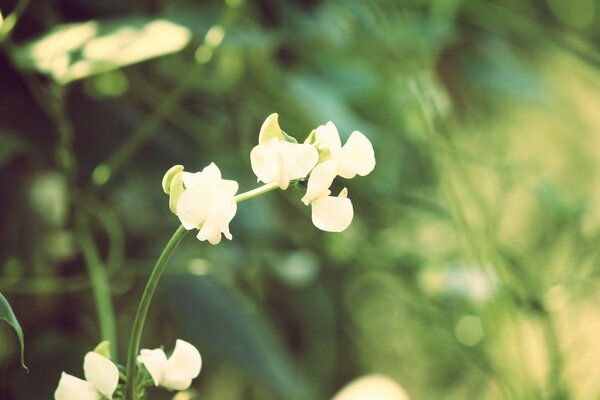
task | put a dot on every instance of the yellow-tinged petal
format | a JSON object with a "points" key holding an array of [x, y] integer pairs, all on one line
{"points": [[332, 214], [270, 129], [356, 157], [169, 175], [175, 191], [155, 361], [101, 372], [320, 180], [73, 388]]}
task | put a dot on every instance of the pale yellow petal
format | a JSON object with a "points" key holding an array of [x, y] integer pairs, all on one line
{"points": [[320, 180], [73, 388], [192, 206], [183, 366], [101, 372], [332, 214], [328, 138], [155, 362], [270, 129], [356, 157]]}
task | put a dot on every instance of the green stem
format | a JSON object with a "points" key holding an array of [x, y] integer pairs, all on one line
{"points": [[142, 311], [256, 192], [99, 283]]}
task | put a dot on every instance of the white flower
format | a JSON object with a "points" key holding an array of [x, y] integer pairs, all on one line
{"points": [[278, 158], [176, 372], [372, 387], [101, 379], [332, 214], [355, 158], [207, 203]]}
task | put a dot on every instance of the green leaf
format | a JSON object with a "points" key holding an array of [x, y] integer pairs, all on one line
{"points": [[7, 314], [75, 51]]}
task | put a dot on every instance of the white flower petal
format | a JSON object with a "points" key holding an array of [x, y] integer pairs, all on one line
{"points": [[320, 180], [356, 157], [372, 387], [73, 388], [264, 161], [191, 179], [183, 366], [328, 138], [299, 159], [192, 206], [211, 173], [155, 362], [221, 211], [101, 372], [332, 214], [280, 162], [270, 129]]}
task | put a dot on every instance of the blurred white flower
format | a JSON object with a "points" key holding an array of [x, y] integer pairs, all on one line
{"points": [[356, 157], [332, 214], [372, 387], [101, 379], [207, 203], [278, 158], [175, 372]]}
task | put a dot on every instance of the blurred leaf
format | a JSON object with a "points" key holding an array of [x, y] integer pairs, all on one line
{"points": [[220, 323], [9, 145], [7, 314], [75, 51]]}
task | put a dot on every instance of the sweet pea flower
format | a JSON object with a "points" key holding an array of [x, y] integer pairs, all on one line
{"points": [[278, 158], [101, 379], [332, 214], [355, 158], [206, 203], [175, 372]]}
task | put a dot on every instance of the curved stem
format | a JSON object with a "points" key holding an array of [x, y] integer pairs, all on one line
{"points": [[142, 311], [157, 271]]}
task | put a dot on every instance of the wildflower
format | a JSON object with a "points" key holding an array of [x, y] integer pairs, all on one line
{"points": [[101, 379], [278, 158], [332, 214], [175, 372], [355, 158], [206, 203]]}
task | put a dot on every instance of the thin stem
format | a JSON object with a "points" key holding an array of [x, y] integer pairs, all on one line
{"points": [[142, 311], [256, 192], [99, 283]]}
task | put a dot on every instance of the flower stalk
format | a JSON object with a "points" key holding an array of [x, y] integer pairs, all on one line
{"points": [[157, 271]]}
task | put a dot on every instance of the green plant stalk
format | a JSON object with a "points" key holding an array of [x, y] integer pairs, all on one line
{"points": [[142, 310], [99, 283]]}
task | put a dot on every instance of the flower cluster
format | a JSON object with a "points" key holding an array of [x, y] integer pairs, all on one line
{"points": [[206, 202], [102, 375]]}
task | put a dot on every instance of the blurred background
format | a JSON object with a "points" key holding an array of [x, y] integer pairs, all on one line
{"points": [[470, 271]]}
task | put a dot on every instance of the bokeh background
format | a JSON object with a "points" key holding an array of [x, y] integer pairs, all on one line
{"points": [[470, 270]]}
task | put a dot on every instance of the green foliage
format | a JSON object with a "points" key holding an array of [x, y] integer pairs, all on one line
{"points": [[470, 270]]}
